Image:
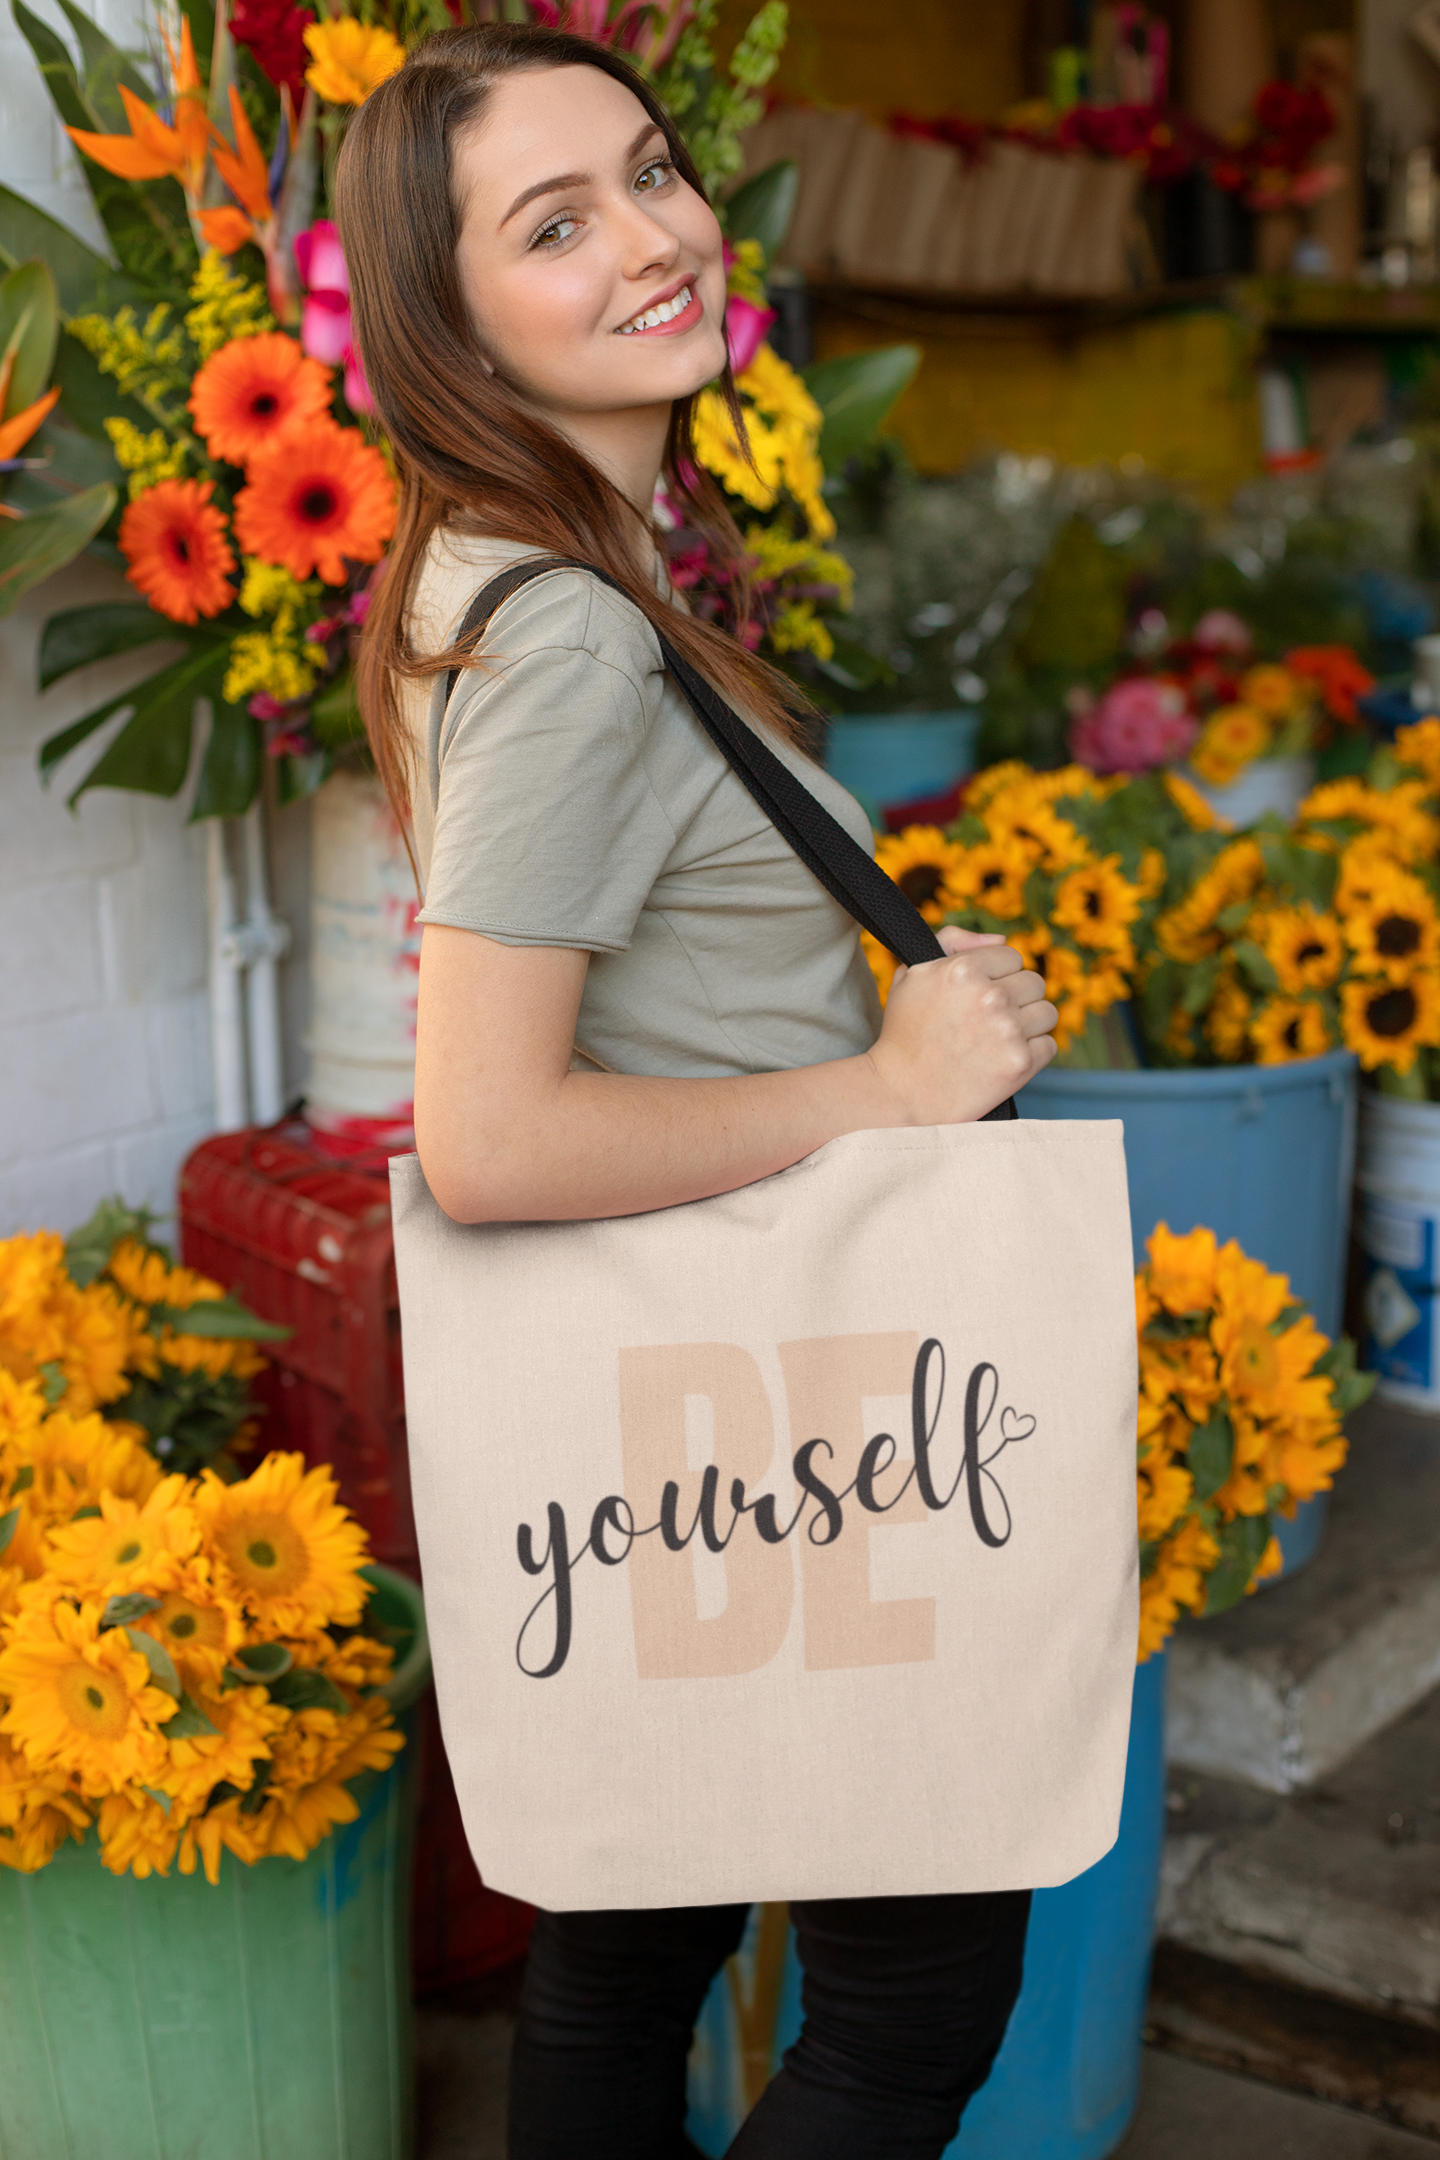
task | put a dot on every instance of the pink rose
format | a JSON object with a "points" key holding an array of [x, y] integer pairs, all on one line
{"points": [[746, 328], [1137, 724]]}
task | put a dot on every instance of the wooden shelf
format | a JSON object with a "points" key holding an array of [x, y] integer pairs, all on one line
{"points": [[1289, 305]]}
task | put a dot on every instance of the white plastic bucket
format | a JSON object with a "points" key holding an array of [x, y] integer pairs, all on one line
{"points": [[1399, 1230], [1270, 783], [364, 958]]}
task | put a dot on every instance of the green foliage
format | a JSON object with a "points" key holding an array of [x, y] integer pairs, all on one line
{"points": [[711, 111], [1242, 1545], [856, 394], [88, 1249], [1351, 1388], [1076, 623], [222, 1319], [151, 753], [32, 548], [761, 207], [189, 1418], [77, 636], [1210, 1454], [230, 772], [84, 279], [29, 327]]}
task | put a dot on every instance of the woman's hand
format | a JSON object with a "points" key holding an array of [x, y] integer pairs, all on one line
{"points": [[960, 1034]]}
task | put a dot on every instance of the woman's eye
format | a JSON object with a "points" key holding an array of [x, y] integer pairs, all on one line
{"points": [[552, 235], [654, 176]]}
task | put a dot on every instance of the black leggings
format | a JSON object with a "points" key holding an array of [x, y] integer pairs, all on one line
{"points": [[906, 2002]]}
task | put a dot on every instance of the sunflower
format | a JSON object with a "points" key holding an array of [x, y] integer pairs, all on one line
{"points": [[1398, 813], [149, 1278], [255, 389], [883, 965], [1187, 932], [81, 1700], [1191, 804], [283, 1546], [922, 862], [1150, 879], [349, 59], [1387, 1023], [992, 876], [1064, 973], [1176, 1581], [174, 540], [1182, 1269], [1303, 946], [116, 1549], [1231, 739], [246, 1723], [1023, 816], [138, 1835], [1273, 692], [315, 500], [1419, 746], [1227, 1023], [199, 1623], [1097, 905], [1396, 930], [37, 1813], [1288, 1028], [313, 1762]]}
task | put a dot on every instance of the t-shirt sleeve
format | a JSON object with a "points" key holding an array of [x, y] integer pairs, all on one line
{"points": [[547, 830]]}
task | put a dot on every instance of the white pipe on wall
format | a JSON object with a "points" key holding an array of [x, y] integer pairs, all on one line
{"points": [[266, 941], [227, 1019]]}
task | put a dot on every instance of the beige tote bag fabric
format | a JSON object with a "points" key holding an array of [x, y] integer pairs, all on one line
{"points": [[783, 1544]]}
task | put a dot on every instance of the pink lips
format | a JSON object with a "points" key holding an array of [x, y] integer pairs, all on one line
{"points": [[685, 320]]}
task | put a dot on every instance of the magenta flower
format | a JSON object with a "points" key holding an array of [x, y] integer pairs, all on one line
{"points": [[1220, 630], [325, 323], [746, 329], [1138, 723]]}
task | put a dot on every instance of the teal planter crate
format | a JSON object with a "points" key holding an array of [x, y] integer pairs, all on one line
{"points": [[1067, 2078], [900, 758], [1262, 1153], [267, 2018]]}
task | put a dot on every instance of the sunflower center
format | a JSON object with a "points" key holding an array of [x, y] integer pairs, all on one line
{"points": [[267, 1553], [182, 1626], [1397, 936], [264, 403], [921, 883], [991, 879], [317, 503], [182, 1622], [1256, 1355], [1392, 1013], [1292, 1035], [1312, 951], [1093, 906], [94, 1702], [128, 1552]]}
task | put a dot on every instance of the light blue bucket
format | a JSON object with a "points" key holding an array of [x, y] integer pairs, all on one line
{"points": [[900, 757], [1262, 1153], [1066, 2081]]}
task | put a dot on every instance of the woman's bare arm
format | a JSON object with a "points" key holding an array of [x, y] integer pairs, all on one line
{"points": [[507, 1133]]}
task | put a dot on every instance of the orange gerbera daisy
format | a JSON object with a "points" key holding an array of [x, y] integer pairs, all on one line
{"points": [[174, 541], [252, 390], [314, 500]]}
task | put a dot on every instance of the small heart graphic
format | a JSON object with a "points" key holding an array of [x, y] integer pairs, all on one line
{"points": [[1015, 1427]]}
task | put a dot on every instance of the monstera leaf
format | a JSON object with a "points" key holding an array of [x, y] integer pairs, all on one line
{"points": [[855, 394]]}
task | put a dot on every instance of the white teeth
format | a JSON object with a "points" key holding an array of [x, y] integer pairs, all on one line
{"points": [[665, 312]]}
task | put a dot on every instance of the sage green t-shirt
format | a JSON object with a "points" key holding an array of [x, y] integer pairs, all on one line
{"points": [[569, 796]]}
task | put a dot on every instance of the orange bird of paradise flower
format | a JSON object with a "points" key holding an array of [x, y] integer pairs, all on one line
{"points": [[154, 150]]}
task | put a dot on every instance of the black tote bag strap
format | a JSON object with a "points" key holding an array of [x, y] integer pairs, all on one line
{"points": [[851, 876]]}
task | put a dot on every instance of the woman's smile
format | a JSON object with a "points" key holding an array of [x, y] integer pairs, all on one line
{"points": [[679, 309]]}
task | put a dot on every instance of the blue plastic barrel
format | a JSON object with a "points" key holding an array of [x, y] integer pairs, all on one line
{"points": [[1066, 2081], [1262, 1153], [901, 757]]}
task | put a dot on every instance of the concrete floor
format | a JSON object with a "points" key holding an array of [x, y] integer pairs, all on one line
{"points": [[1187, 2111]]}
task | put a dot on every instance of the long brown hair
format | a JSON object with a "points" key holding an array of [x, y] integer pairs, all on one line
{"points": [[468, 449]]}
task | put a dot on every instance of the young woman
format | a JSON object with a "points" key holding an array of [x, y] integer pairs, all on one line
{"points": [[539, 295]]}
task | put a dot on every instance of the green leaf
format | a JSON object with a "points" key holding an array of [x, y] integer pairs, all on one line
{"points": [[120, 1611], [254, 1800], [308, 1690], [8, 1524], [301, 776], [335, 715], [218, 1320], [761, 208], [88, 399], [1241, 1543], [1210, 1454], [32, 548], [53, 1381], [76, 636], [1200, 985], [83, 1514], [1255, 966], [106, 67], [24, 1478], [157, 1657], [855, 393], [162, 1799], [1349, 1388], [188, 1722], [151, 754], [230, 774], [52, 57], [86, 282], [88, 1249], [264, 1661], [29, 327]]}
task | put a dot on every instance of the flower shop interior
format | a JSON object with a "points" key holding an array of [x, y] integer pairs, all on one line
{"points": [[1089, 354]]}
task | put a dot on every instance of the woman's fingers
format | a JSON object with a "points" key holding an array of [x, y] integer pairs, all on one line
{"points": [[1038, 1019]]}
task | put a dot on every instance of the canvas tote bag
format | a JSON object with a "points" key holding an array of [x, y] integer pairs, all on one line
{"points": [[783, 1544]]}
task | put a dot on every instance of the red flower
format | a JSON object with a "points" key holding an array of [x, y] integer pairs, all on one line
{"points": [[274, 31]]}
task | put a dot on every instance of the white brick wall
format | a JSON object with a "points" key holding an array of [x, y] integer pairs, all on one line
{"points": [[105, 1069]]}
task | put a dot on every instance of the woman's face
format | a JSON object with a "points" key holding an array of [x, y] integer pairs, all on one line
{"points": [[577, 237]]}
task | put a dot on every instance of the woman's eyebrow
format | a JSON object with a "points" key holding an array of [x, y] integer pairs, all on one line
{"points": [[558, 185]]}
